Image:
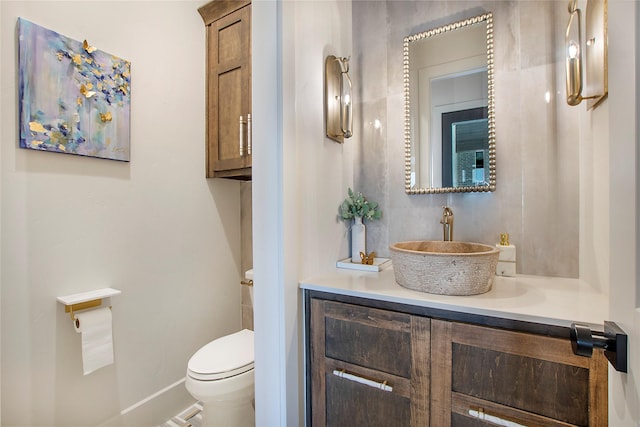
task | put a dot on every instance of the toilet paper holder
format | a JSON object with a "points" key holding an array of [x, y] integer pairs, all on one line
{"points": [[86, 300], [81, 306]]}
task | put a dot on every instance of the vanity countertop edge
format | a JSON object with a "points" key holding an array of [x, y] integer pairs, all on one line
{"points": [[557, 302]]}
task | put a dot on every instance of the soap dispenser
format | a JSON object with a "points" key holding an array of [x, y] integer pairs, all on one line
{"points": [[507, 258]]}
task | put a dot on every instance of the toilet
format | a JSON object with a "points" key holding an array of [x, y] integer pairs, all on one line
{"points": [[221, 376]]}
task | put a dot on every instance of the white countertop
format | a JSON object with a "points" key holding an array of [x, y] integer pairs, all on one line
{"points": [[546, 300]]}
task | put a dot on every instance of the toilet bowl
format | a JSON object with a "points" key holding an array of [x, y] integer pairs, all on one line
{"points": [[220, 375]]}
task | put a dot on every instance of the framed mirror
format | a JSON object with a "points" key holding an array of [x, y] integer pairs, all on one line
{"points": [[450, 108]]}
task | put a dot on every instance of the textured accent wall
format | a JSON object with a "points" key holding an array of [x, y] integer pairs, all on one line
{"points": [[538, 143]]}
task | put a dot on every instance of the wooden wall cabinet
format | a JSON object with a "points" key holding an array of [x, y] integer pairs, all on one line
{"points": [[228, 116], [444, 373]]}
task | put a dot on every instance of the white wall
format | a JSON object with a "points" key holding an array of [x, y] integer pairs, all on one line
{"points": [[1, 115], [300, 178], [266, 92], [624, 388], [154, 228]]}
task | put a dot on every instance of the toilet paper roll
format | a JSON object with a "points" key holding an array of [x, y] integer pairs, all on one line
{"points": [[97, 338]]}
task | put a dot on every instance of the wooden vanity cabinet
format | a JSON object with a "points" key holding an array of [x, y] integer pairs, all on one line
{"points": [[228, 129], [370, 367], [443, 372]]}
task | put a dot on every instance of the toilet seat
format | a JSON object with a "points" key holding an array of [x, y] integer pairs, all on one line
{"points": [[224, 357]]}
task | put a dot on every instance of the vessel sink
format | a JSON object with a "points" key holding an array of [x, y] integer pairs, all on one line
{"points": [[445, 268]]}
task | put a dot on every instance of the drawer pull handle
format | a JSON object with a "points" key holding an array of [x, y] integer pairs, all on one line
{"points": [[381, 386], [479, 414], [241, 139], [249, 134]]}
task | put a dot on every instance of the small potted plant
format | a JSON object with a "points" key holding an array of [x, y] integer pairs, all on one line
{"points": [[356, 207]]}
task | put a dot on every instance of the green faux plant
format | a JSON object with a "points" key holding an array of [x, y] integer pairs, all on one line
{"points": [[356, 205]]}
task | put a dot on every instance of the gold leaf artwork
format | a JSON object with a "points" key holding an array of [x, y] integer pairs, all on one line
{"points": [[76, 98]]}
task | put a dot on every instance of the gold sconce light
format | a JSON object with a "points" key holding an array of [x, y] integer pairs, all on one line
{"points": [[590, 56], [338, 101]]}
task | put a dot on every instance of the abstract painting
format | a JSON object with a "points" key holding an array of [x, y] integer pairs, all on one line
{"points": [[73, 97]]}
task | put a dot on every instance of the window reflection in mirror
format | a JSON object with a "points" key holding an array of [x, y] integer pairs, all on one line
{"points": [[449, 123], [465, 146]]}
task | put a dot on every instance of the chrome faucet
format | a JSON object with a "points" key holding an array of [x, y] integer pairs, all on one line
{"points": [[447, 223]]}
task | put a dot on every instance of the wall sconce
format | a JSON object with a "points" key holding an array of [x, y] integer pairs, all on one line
{"points": [[593, 53], [338, 101], [573, 45]]}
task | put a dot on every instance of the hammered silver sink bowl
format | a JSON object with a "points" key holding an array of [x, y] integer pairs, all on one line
{"points": [[444, 268]]}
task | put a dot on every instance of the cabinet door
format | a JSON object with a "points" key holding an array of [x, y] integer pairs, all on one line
{"points": [[369, 367], [482, 374], [229, 95]]}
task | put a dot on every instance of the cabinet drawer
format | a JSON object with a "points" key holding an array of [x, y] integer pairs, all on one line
{"points": [[345, 406], [552, 389], [467, 411], [377, 339]]}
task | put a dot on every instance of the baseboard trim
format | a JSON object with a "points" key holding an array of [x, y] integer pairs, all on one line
{"points": [[154, 409], [153, 396]]}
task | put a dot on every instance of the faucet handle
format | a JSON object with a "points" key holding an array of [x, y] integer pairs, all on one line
{"points": [[447, 212], [447, 223]]}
